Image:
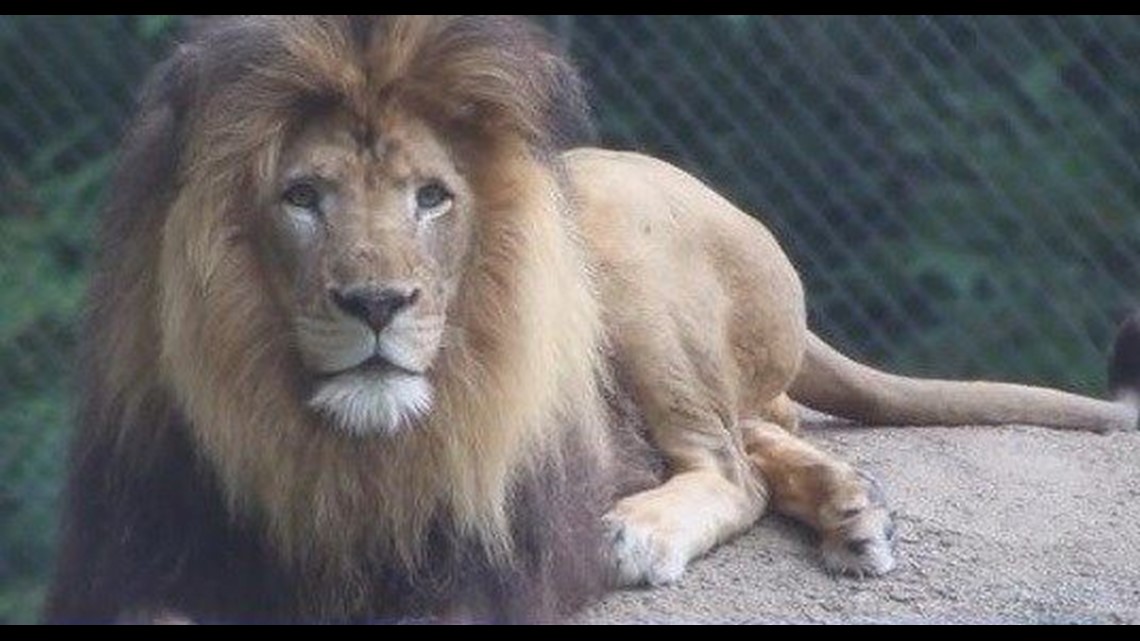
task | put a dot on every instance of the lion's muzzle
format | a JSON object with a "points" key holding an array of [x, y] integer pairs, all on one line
{"points": [[370, 349]]}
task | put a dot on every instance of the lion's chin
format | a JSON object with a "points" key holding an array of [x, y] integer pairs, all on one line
{"points": [[372, 403]]}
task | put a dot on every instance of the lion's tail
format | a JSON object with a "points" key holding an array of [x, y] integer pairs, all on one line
{"points": [[830, 382], [1124, 368]]}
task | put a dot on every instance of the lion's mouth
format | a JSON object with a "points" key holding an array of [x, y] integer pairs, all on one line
{"points": [[374, 397], [377, 365]]}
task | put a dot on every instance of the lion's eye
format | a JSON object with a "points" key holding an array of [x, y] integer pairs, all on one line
{"points": [[303, 195], [433, 199]]}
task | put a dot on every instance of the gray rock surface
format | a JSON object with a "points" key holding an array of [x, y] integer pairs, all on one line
{"points": [[1002, 525]]}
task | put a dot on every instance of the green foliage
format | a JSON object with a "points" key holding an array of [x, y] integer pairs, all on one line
{"points": [[41, 286], [61, 107]]}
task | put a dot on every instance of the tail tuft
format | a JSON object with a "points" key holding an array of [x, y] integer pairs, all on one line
{"points": [[1124, 368]]}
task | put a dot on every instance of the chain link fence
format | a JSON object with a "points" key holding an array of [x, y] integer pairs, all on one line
{"points": [[961, 194]]}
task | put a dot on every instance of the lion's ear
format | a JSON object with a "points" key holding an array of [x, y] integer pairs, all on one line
{"points": [[535, 91], [148, 161], [174, 81], [554, 116], [560, 94], [568, 113]]}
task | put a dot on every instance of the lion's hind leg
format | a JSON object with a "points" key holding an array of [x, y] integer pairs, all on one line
{"points": [[845, 506]]}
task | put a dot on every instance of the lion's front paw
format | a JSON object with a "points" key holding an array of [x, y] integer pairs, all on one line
{"points": [[641, 553], [861, 543]]}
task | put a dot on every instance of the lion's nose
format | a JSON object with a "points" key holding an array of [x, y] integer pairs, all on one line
{"points": [[375, 306]]}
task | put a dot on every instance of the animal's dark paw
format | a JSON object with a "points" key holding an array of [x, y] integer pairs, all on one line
{"points": [[861, 543]]}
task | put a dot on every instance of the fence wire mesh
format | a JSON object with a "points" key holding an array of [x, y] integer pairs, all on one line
{"points": [[960, 193]]}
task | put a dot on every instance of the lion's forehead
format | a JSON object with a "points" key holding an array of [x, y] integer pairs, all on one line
{"points": [[394, 148]]}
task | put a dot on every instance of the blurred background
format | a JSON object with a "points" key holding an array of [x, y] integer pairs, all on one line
{"points": [[961, 194]]}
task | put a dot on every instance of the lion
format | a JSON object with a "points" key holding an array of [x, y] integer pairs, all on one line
{"points": [[1124, 364], [370, 339]]}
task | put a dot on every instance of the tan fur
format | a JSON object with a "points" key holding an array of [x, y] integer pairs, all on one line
{"points": [[708, 317]]}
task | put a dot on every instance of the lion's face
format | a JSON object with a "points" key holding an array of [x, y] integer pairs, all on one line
{"points": [[369, 233]]}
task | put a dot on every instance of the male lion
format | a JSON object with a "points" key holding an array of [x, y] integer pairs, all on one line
{"points": [[367, 344]]}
